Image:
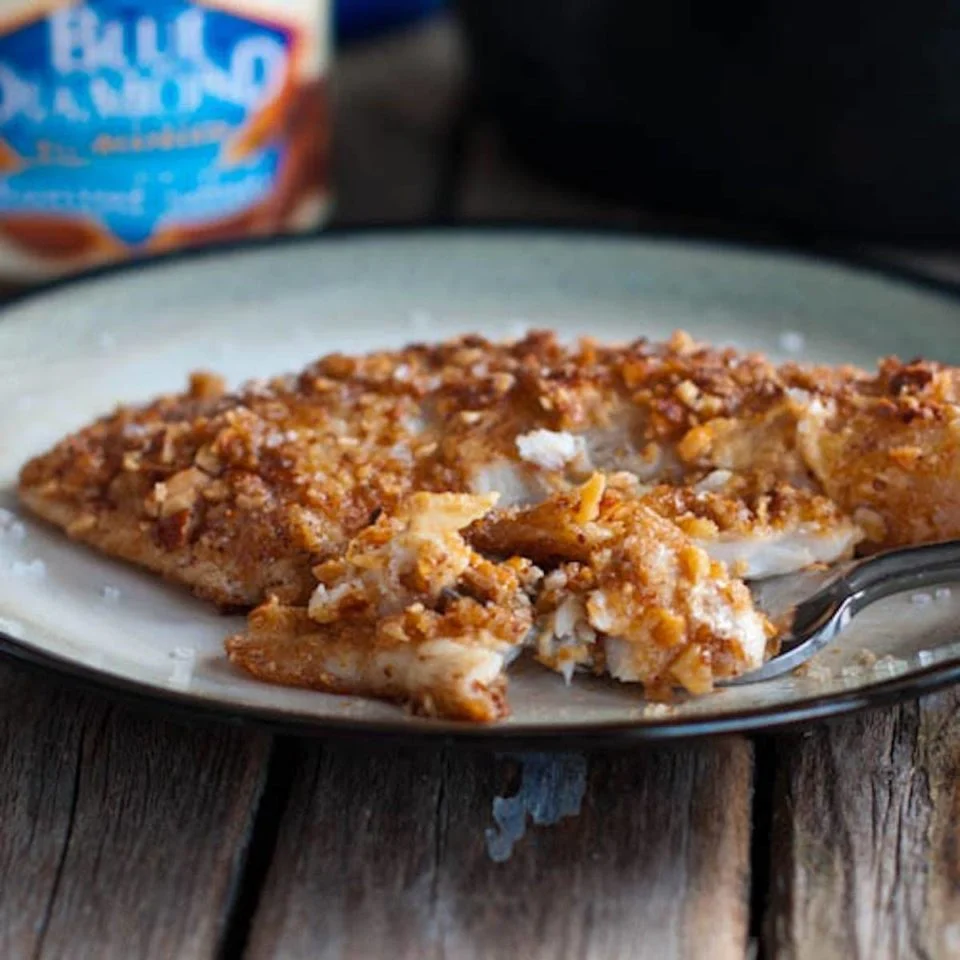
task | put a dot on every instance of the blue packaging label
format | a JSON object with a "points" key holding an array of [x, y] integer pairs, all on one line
{"points": [[134, 116]]}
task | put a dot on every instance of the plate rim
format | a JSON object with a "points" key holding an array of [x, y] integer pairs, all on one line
{"points": [[822, 254], [760, 720]]}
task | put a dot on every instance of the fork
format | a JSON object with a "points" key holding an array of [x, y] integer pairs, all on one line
{"points": [[820, 617]]}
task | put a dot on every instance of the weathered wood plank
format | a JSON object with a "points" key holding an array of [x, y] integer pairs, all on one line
{"points": [[866, 849], [409, 855], [120, 835]]}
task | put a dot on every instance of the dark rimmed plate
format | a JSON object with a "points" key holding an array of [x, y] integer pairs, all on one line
{"points": [[72, 352]]}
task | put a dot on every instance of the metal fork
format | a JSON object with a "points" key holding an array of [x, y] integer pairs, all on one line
{"points": [[817, 620]]}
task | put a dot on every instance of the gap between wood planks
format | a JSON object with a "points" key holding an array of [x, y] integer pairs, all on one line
{"points": [[262, 843], [866, 837], [62, 859], [761, 827], [854, 849], [120, 834], [402, 853]]}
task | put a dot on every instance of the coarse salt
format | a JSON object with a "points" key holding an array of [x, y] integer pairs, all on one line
{"points": [[10, 527], [815, 669], [792, 341], [889, 664], [652, 711], [12, 627], [182, 674]]}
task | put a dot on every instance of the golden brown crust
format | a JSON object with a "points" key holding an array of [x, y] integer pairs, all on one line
{"points": [[410, 612], [283, 645], [889, 454], [742, 504], [238, 495], [676, 616], [261, 484]]}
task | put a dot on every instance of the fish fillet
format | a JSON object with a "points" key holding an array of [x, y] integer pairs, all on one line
{"points": [[409, 613], [352, 505], [886, 450], [413, 613], [238, 495]]}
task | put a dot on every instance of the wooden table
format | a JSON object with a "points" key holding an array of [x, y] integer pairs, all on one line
{"points": [[127, 836]]}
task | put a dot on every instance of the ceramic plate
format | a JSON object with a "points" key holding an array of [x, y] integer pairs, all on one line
{"points": [[72, 352]]}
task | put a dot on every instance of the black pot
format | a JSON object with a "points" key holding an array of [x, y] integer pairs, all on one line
{"points": [[823, 117]]}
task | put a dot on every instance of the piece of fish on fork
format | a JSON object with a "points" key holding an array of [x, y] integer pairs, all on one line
{"points": [[590, 578]]}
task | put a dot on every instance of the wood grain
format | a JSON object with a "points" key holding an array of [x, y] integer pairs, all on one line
{"points": [[407, 855], [120, 835], [866, 851]]}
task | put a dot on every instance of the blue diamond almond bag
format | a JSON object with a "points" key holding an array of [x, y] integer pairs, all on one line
{"points": [[135, 127]]}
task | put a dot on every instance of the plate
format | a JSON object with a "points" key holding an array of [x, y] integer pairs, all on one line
{"points": [[73, 351]]}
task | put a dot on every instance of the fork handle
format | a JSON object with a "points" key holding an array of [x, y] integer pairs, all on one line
{"points": [[862, 583], [898, 570], [817, 620]]}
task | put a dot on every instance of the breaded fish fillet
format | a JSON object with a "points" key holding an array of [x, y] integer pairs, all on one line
{"points": [[886, 450], [409, 613], [413, 613], [758, 527], [238, 495]]}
